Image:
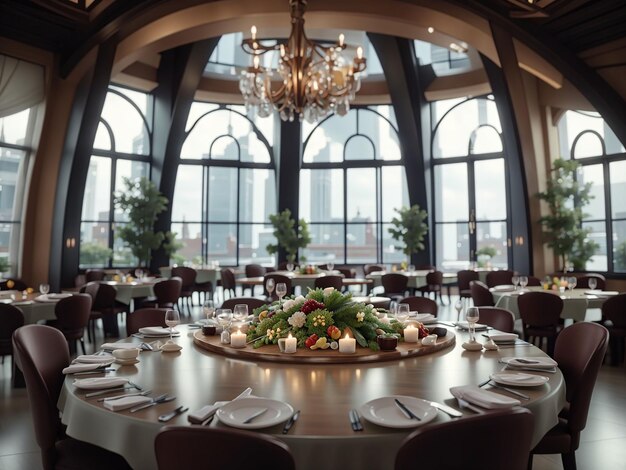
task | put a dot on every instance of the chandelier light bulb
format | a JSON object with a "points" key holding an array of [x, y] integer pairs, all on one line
{"points": [[359, 52], [341, 39], [253, 32], [255, 61]]}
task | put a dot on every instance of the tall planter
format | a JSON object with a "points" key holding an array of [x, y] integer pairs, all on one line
{"points": [[409, 227]]}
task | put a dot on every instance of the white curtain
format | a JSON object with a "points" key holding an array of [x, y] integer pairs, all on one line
{"points": [[21, 85]]}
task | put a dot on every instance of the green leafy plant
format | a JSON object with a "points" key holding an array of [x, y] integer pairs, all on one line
{"points": [[5, 266], [484, 254], [563, 229], [286, 235], [94, 254], [142, 202], [410, 228], [619, 256]]}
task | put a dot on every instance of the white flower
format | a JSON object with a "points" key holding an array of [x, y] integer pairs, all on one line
{"points": [[360, 316], [385, 319], [329, 290], [287, 304], [297, 320], [299, 299]]}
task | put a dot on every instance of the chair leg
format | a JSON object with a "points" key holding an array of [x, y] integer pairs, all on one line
{"points": [[82, 345], [569, 461], [530, 462]]}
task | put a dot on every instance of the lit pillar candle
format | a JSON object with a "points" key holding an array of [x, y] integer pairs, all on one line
{"points": [[347, 345], [290, 344], [238, 340], [411, 334]]}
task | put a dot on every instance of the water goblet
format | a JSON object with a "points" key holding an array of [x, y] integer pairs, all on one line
{"points": [[472, 315], [402, 314], [290, 267], [172, 318], [44, 289], [411, 268], [571, 283], [515, 281], [593, 283], [458, 306], [208, 308], [225, 319], [240, 312], [330, 266], [139, 273], [393, 308], [523, 281], [269, 285], [281, 291]]}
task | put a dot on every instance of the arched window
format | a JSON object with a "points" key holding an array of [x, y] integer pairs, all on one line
{"points": [[585, 136], [351, 180], [225, 187], [121, 149], [469, 184]]}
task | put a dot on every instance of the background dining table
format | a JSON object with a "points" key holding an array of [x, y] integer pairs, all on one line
{"points": [[323, 392]]}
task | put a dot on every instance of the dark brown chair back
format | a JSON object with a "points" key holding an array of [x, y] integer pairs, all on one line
{"points": [[167, 292], [498, 318], [278, 278], [347, 272], [540, 309], [251, 302], [394, 283], [254, 270], [11, 318], [329, 281], [434, 279], [464, 278], [18, 285], [94, 275], [614, 310], [228, 280], [582, 282], [104, 300], [480, 294], [144, 317], [73, 315], [187, 276], [533, 281], [510, 433], [499, 278], [184, 446], [425, 267], [421, 304], [370, 268]]}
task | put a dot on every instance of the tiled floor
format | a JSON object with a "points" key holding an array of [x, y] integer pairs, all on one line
{"points": [[603, 442]]}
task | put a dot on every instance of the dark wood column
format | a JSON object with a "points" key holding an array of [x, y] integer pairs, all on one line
{"points": [[180, 71], [406, 88], [81, 132]]}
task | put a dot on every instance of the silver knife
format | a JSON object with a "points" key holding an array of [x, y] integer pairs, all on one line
{"points": [[446, 409], [255, 415], [108, 390], [290, 422], [167, 416], [155, 401], [408, 413]]}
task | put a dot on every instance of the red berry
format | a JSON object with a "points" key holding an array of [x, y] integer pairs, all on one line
{"points": [[310, 306]]}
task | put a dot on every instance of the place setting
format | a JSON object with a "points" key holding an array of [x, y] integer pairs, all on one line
{"points": [[537, 364], [397, 411]]}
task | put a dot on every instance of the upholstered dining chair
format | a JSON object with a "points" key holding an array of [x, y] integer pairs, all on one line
{"points": [[464, 277], [540, 313], [228, 282], [582, 282], [42, 353], [614, 318], [94, 275], [202, 447], [533, 281], [434, 284], [11, 318], [347, 272], [394, 285], [145, 317], [509, 433], [251, 302], [499, 278], [499, 318], [579, 351], [73, 318], [104, 307], [421, 304], [13, 284], [370, 268], [166, 294], [278, 278], [329, 281], [253, 270], [188, 277], [481, 296]]}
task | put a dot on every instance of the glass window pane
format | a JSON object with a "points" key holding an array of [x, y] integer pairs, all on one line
{"points": [[493, 235], [452, 245], [187, 203], [392, 249], [598, 234], [97, 198], [257, 195], [572, 123], [139, 98], [222, 243], [133, 170], [489, 179], [382, 134], [94, 245], [486, 140], [190, 235], [451, 193], [13, 128], [362, 243], [11, 183], [222, 194], [588, 145], [9, 242], [327, 140], [321, 195], [103, 138], [594, 174], [395, 193], [253, 240], [617, 171], [619, 246], [198, 108], [359, 147], [327, 243], [129, 131], [122, 256], [361, 194]]}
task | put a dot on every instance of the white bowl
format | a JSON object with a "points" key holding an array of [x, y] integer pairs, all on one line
{"points": [[131, 353]]}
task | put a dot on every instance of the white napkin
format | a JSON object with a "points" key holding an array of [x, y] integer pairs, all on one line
{"points": [[503, 336], [126, 402], [207, 411], [542, 362], [112, 346], [422, 317], [483, 398], [60, 296], [155, 330], [73, 368], [94, 359], [100, 382]]}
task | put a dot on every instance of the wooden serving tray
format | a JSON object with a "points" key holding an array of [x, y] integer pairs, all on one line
{"points": [[271, 353]]}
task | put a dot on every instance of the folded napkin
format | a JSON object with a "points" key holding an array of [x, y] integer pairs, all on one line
{"points": [[502, 336], [112, 346], [63, 295], [155, 330], [94, 359], [483, 398], [126, 402], [204, 413], [100, 382], [73, 368], [422, 317], [542, 362]]}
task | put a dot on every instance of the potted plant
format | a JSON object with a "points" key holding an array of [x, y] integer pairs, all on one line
{"points": [[142, 202], [5, 266], [410, 228], [563, 229], [94, 254], [484, 255], [286, 235], [619, 257]]}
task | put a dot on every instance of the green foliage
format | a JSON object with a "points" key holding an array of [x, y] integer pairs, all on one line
{"points": [[410, 228], [142, 202], [94, 254], [5, 266], [619, 257], [563, 230], [286, 235], [489, 251]]}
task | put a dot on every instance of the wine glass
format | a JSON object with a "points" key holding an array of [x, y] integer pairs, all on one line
{"points": [[523, 281], [290, 267], [593, 283], [44, 289], [139, 273], [571, 283], [172, 318], [208, 308], [393, 307], [402, 314], [471, 315], [330, 266], [515, 281], [225, 319], [240, 312], [281, 291], [458, 306], [269, 286], [411, 268]]}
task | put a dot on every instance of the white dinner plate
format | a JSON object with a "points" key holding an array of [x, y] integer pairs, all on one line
{"points": [[63, 295], [385, 412], [464, 326], [424, 318], [503, 288], [100, 383], [157, 332], [236, 412], [542, 362], [519, 379]]}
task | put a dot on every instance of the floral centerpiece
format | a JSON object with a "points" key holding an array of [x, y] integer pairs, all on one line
{"points": [[554, 283], [308, 269], [318, 320]]}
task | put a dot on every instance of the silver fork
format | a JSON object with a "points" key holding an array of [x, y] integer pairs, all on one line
{"points": [[117, 397], [491, 383]]}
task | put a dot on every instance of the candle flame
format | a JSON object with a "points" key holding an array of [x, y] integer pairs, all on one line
{"points": [[289, 337], [347, 337]]}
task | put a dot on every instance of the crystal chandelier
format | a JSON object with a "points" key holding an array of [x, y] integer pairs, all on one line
{"points": [[313, 80]]}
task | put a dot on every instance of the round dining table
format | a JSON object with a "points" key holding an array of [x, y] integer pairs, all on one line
{"points": [[324, 394]]}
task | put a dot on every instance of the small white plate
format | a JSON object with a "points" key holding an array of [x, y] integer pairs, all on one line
{"points": [[503, 288], [100, 383], [63, 295], [519, 379], [385, 412], [464, 326], [425, 318], [157, 332], [126, 362], [236, 412], [541, 362]]}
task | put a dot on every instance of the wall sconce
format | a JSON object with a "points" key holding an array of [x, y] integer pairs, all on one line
{"points": [[70, 242], [519, 241]]}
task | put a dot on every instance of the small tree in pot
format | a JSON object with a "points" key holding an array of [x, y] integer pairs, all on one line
{"points": [[410, 228], [286, 235]]}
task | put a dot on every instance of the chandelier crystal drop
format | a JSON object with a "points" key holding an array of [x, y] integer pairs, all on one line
{"points": [[311, 80]]}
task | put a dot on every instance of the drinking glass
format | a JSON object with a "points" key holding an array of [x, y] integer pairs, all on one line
{"points": [[393, 307], [515, 281], [208, 308], [571, 283], [240, 312], [330, 266], [172, 318], [402, 314], [458, 306], [593, 283], [472, 315], [44, 288], [411, 268], [290, 267], [269, 285], [225, 319], [523, 281], [281, 291], [139, 273]]}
